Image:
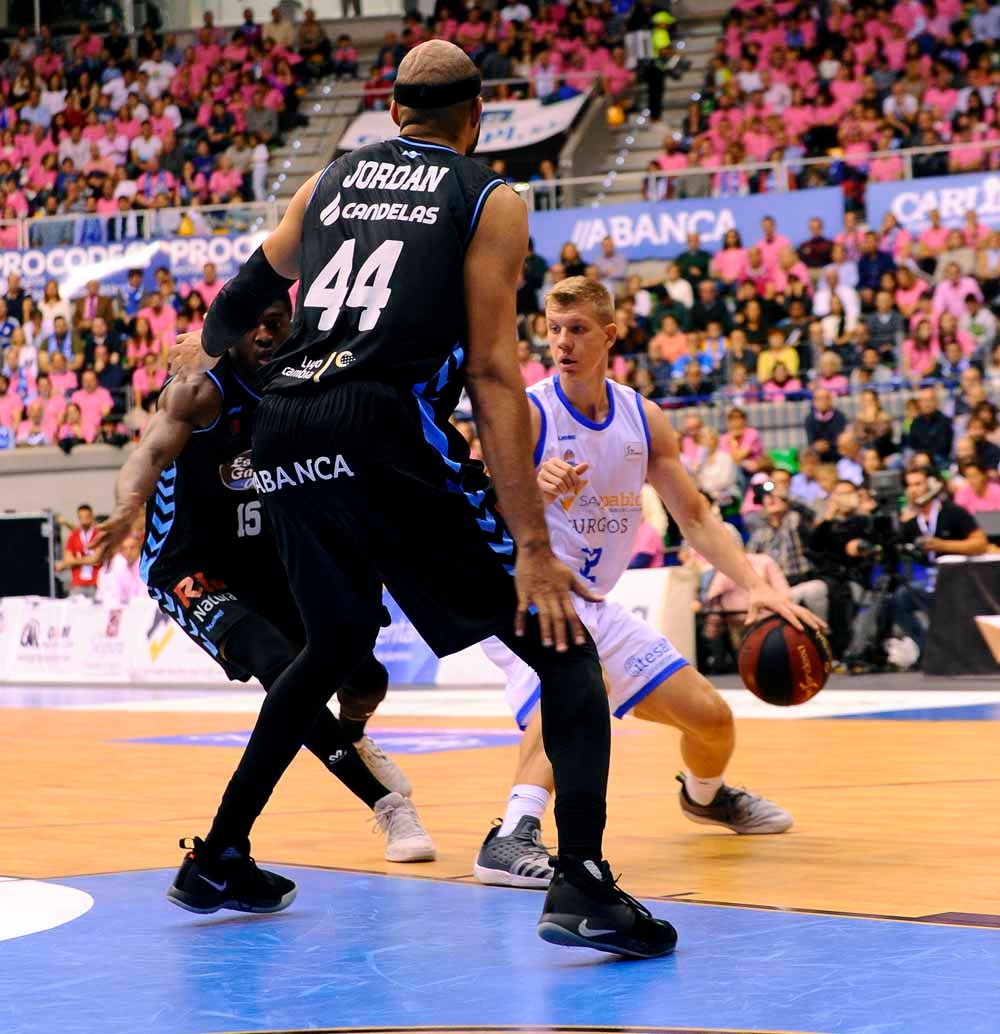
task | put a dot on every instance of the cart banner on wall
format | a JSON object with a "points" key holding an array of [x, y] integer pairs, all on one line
{"points": [[506, 126], [659, 229], [912, 201], [71, 267]]}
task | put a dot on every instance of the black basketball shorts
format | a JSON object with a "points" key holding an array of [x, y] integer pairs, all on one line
{"points": [[363, 488]]}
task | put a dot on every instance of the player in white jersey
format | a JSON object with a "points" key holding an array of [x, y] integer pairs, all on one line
{"points": [[597, 443]]}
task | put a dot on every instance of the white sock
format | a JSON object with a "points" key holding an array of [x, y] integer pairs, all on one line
{"points": [[524, 799], [701, 791]]}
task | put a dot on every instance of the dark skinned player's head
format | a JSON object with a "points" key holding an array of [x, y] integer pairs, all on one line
{"points": [[257, 347]]}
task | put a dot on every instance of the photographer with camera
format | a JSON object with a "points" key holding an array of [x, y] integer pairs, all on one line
{"points": [[938, 527], [844, 548], [782, 536]]}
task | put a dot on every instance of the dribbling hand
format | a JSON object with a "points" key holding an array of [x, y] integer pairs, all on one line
{"points": [[113, 532], [187, 356], [547, 584], [764, 598]]}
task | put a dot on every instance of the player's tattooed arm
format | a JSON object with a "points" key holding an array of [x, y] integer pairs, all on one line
{"points": [[188, 403]]}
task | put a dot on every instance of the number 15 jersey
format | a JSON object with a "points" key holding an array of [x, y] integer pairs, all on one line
{"points": [[381, 262]]}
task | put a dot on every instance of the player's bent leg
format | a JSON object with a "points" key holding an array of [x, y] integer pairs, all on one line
{"points": [[512, 855], [689, 702]]}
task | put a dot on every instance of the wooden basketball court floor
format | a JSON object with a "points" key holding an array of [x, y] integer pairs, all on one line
{"points": [[878, 912]]}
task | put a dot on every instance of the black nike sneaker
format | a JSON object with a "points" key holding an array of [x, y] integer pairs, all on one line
{"points": [[585, 908], [234, 882]]}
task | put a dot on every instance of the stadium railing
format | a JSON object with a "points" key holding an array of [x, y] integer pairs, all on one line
{"points": [[563, 192]]}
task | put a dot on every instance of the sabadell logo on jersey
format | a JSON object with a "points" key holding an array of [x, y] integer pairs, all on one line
{"points": [[356, 210]]}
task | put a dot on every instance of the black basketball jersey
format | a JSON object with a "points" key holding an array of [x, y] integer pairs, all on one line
{"points": [[381, 293], [205, 510]]}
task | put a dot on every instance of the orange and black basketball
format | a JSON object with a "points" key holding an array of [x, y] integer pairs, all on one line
{"points": [[782, 665]]}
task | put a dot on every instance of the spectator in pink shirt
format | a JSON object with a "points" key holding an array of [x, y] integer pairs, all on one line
{"points": [[142, 342], [11, 406], [647, 551], [978, 494], [120, 582], [73, 431], [209, 285], [741, 442], [919, 354], [53, 406], [950, 294], [909, 290], [225, 183], [781, 385], [31, 431], [148, 378], [64, 380], [830, 376], [730, 261], [93, 401], [531, 369], [772, 244], [934, 239], [162, 318]]}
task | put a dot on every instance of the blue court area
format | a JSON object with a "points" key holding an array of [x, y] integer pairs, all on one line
{"points": [[371, 951]]}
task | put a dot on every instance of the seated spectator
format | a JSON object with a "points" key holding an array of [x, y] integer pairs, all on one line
{"points": [[53, 406], [73, 431], [730, 262], [870, 372], [782, 536], [694, 261], [345, 58], [669, 344], [11, 405], [782, 385], [849, 467], [816, 251], [987, 454], [694, 387], [931, 431], [951, 292], [740, 389], [978, 494], [611, 266], [162, 319], [804, 485], [93, 402], [32, 431], [777, 352], [830, 374], [677, 288], [824, 425], [872, 426], [886, 328], [741, 442], [64, 380], [714, 471], [709, 308], [919, 354], [872, 264], [979, 323], [956, 251], [532, 370], [647, 550]]}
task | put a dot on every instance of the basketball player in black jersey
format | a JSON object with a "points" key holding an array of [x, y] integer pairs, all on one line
{"points": [[210, 561], [409, 255]]}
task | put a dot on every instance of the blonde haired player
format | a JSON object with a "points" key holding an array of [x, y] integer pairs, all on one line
{"points": [[597, 443]]}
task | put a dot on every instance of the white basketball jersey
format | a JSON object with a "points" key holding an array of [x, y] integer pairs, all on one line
{"points": [[594, 531]]}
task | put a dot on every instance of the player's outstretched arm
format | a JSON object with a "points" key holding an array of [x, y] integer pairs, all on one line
{"points": [[702, 529], [264, 277], [492, 269], [189, 402]]}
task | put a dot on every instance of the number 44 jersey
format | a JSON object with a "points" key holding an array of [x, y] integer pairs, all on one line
{"points": [[381, 262]]}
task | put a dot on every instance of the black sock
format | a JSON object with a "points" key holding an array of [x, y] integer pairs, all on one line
{"points": [[354, 728]]}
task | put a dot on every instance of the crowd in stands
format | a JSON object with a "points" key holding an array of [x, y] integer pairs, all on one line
{"points": [[845, 81], [90, 369], [120, 128], [554, 50]]}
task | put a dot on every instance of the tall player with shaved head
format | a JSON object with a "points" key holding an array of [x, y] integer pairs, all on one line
{"points": [[409, 254]]}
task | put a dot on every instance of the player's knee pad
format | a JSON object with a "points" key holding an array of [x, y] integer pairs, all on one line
{"points": [[255, 644]]}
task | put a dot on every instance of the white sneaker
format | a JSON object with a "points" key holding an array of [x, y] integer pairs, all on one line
{"points": [[385, 770], [738, 810], [407, 840]]}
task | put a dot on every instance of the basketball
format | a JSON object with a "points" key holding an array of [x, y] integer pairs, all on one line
{"points": [[782, 665]]}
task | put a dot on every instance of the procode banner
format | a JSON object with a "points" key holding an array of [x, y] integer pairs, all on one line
{"points": [[659, 229], [71, 267], [912, 201], [506, 126]]}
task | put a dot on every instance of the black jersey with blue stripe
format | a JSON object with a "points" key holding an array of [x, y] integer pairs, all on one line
{"points": [[205, 509], [381, 259]]}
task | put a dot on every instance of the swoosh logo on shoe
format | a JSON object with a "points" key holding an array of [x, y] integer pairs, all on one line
{"points": [[220, 887], [586, 931]]}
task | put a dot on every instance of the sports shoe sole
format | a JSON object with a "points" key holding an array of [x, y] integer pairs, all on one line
{"points": [[555, 933], [411, 854], [184, 900], [742, 832], [503, 878]]}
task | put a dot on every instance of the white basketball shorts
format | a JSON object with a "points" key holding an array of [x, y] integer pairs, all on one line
{"points": [[635, 657]]}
